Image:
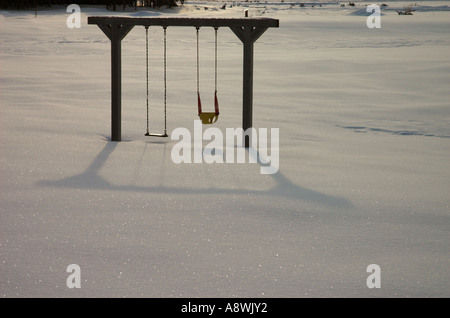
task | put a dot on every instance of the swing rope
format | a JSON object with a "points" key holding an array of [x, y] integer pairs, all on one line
{"points": [[165, 83], [207, 117]]}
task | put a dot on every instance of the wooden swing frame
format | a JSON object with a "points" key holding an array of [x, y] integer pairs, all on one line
{"points": [[248, 30]]}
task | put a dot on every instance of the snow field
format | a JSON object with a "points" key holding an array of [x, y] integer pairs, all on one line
{"points": [[364, 145]]}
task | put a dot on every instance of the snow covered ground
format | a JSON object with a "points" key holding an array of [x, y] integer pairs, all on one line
{"points": [[364, 178]]}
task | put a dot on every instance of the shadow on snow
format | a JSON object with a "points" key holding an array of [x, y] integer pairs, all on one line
{"points": [[91, 179]]}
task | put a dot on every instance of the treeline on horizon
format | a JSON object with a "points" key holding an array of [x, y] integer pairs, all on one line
{"points": [[110, 4]]}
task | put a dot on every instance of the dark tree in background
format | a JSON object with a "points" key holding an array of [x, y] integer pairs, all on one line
{"points": [[110, 4]]}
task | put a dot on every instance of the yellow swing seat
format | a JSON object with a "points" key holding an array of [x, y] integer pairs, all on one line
{"points": [[208, 118]]}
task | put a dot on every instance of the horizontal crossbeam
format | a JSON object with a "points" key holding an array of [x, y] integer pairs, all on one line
{"points": [[181, 21]]}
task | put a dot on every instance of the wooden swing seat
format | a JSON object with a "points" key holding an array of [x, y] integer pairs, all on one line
{"points": [[156, 135]]}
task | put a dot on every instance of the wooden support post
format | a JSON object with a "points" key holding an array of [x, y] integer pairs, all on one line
{"points": [[115, 33], [116, 84], [248, 36], [247, 86]]}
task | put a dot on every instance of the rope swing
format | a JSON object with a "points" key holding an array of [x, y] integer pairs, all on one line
{"points": [[165, 84], [207, 117]]}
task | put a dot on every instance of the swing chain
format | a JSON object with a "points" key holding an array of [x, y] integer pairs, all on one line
{"points": [[165, 80], [198, 62], [215, 60], [146, 63]]}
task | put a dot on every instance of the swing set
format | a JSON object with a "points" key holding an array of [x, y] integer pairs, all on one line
{"points": [[248, 30]]}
